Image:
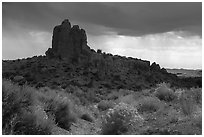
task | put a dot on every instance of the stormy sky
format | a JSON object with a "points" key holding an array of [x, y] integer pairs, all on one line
{"points": [[167, 33]]}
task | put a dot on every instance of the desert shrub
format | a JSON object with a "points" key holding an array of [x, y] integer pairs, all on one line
{"points": [[121, 119], [197, 121], [178, 92], [84, 100], [129, 99], [104, 105], [112, 96], [63, 115], [186, 104], [18, 117], [171, 115], [88, 113], [149, 104], [10, 104], [189, 99], [196, 94], [59, 106], [91, 96], [29, 125], [165, 93], [14, 100]]}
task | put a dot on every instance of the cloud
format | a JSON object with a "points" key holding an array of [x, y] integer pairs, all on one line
{"points": [[125, 18], [23, 43]]}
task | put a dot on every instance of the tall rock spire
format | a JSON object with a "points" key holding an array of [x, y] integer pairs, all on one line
{"points": [[67, 42]]}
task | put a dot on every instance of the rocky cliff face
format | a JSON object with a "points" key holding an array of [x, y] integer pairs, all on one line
{"points": [[68, 42]]}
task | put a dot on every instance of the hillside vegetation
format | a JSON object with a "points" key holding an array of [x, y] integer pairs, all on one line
{"points": [[159, 110]]}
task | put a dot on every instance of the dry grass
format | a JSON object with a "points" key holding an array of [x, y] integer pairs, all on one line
{"points": [[28, 111], [187, 103], [17, 112], [58, 105], [189, 99]]}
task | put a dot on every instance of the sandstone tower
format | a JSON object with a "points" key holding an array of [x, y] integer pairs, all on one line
{"points": [[68, 42]]}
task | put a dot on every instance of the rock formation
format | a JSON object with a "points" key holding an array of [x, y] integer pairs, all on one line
{"points": [[79, 65], [155, 67], [68, 42]]}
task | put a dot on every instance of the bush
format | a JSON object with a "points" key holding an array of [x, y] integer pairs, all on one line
{"points": [[18, 117], [104, 105], [14, 100], [59, 107], [149, 104], [196, 94], [186, 103], [197, 121], [91, 96], [121, 119], [63, 115], [165, 93], [29, 125]]}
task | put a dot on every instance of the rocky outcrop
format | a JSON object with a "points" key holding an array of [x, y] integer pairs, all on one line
{"points": [[81, 66], [155, 67], [68, 42]]}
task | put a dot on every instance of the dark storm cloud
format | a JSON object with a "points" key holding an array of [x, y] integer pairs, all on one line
{"points": [[28, 15], [125, 18]]}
